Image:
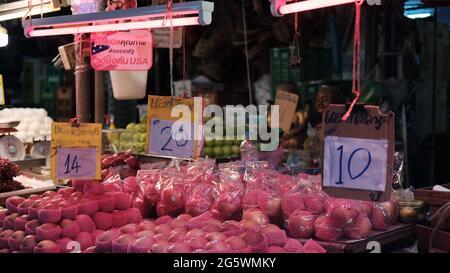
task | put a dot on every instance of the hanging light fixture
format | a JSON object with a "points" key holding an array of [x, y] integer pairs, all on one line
{"points": [[281, 7], [183, 14], [415, 9], [3, 37], [18, 9]]}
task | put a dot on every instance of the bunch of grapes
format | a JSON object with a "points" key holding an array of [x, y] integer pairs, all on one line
{"points": [[8, 170]]}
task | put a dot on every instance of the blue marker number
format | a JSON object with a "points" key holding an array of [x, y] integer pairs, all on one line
{"points": [[349, 163]]}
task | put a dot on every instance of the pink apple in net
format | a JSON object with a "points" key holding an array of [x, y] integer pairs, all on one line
{"points": [[141, 245], [360, 229], [276, 249], [301, 224], [47, 246], [49, 193], [210, 227], [293, 246], [146, 225], [4, 236], [163, 229], [195, 233], [236, 242], [122, 200], [257, 216], [179, 248], [48, 231], [383, 215], [325, 231], [312, 246], [215, 236], [85, 223], [30, 226], [249, 225], [343, 217], [103, 242], [120, 245], [130, 229], [28, 243], [15, 240], [166, 219], [366, 207], [178, 223], [22, 208], [13, 202], [145, 233], [19, 222], [130, 185], [197, 243], [50, 213], [314, 203], [177, 236], [256, 241], [160, 247], [66, 192], [218, 247], [291, 202], [173, 198], [274, 235], [8, 222]]}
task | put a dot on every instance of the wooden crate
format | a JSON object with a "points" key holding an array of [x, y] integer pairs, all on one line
{"points": [[434, 199], [441, 241]]}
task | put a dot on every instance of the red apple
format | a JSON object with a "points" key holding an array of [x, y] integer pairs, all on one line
{"points": [[47, 246], [28, 243]]}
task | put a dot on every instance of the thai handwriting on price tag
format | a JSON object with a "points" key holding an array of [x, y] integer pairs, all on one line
{"points": [[162, 140], [76, 151], [355, 163], [358, 153], [76, 162], [2, 91], [160, 120]]}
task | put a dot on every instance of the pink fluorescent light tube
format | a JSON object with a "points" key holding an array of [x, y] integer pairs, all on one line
{"points": [[282, 9], [176, 22]]}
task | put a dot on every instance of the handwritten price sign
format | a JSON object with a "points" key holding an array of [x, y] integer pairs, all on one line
{"points": [[358, 153], [76, 151], [76, 162], [162, 141], [162, 114], [355, 163]]}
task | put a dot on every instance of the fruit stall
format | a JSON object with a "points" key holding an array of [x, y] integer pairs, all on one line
{"points": [[294, 168]]}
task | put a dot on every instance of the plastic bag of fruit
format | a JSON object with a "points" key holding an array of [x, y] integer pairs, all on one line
{"points": [[227, 195], [147, 181], [113, 183], [173, 193]]}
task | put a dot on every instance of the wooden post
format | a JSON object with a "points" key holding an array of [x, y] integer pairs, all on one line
{"points": [[99, 96]]}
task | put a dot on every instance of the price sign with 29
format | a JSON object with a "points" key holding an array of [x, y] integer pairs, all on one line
{"points": [[355, 163], [76, 163]]}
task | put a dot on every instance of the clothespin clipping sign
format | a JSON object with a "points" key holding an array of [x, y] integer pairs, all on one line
{"points": [[76, 150], [358, 153]]}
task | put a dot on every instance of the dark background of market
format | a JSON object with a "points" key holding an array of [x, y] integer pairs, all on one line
{"points": [[404, 60]]}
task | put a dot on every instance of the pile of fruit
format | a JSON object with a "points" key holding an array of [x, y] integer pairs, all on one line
{"points": [[124, 163], [133, 139], [8, 170], [223, 148], [64, 221]]}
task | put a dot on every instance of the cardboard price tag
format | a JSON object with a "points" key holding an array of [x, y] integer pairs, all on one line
{"points": [[358, 153], [288, 105], [76, 151], [161, 139]]}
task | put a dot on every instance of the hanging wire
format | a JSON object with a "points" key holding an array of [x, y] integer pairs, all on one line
{"points": [[295, 51], [356, 76], [169, 16], [247, 62]]}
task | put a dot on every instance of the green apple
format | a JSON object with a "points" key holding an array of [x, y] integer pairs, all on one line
{"points": [[209, 142], [141, 147], [131, 126], [229, 142], [142, 128], [235, 149], [226, 150], [209, 151], [234, 155], [124, 136], [219, 142], [218, 151], [143, 137], [237, 142], [136, 137]]}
